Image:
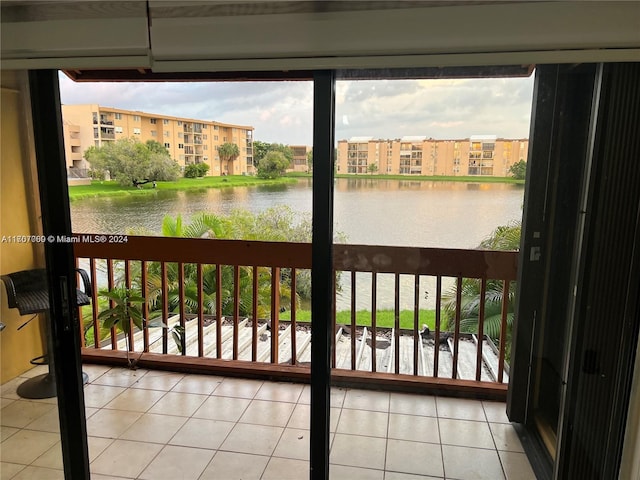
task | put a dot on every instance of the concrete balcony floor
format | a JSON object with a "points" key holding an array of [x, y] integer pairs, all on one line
{"points": [[146, 424]]}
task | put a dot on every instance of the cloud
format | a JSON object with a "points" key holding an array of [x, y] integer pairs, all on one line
{"points": [[283, 111]]}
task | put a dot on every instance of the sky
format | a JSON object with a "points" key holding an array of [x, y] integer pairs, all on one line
{"points": [[282, 111]]}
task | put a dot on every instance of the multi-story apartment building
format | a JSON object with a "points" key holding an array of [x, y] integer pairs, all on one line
{"points": [[187, 140], [482, 155], [300, 160]]}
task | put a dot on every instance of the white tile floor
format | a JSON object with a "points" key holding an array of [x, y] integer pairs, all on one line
{"points": [[157, 425]]}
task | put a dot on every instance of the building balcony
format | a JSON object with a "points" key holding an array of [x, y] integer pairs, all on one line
{"points": [[467, 362], [242, 375], [107, 136]]}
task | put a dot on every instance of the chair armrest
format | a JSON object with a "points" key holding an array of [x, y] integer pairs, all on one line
{"points": [[86, 282]]}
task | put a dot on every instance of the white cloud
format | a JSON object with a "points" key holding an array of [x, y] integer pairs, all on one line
{"points": [[282, 111]]}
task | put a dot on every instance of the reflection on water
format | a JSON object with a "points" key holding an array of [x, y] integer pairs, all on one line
{"points": [[368, 211]]}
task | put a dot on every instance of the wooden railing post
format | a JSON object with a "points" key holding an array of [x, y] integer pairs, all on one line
{"points": [[275, 313]]}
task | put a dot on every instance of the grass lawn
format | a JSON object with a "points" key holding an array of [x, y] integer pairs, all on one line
{"points": [[421, 178], [112, 188], [384, 318]]}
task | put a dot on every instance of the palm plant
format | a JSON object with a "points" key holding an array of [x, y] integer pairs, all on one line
{"points": [[504, 237], [124, 313]]}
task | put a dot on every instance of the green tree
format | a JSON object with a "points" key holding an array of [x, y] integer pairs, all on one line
{"points": [[228, 152], [519, 169], [273, 165], [156, 147], [131, 162], [284, 150], [260, 149], [310, 160], [195, 170], [372, 168]]}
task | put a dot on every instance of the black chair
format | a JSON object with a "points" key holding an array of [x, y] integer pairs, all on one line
{"points": [[28, 292]]}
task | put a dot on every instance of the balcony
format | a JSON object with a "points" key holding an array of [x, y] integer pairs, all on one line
{"points": [[224, 340]]}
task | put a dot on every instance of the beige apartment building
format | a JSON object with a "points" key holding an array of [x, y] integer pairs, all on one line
{"points": [[481, 155], [300, 161], [188, 140]]}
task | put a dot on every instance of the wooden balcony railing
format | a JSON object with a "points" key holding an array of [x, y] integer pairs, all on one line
{"points": [[229, 295]]}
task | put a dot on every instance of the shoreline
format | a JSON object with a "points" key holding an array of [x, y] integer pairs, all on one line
{"points": [[113, 189]]}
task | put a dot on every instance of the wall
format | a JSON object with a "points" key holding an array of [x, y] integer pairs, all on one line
{"points": [[18, 216]]}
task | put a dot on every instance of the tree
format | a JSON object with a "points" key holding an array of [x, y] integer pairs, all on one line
{"points": [[310, 160], [228, 153], [132, 163], [372, 168], [284, 150], [260, 149], [195, 170], [273, 165], [519, 169]]}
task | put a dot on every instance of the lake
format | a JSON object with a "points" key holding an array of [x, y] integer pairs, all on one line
{"points": [[368, 211]]}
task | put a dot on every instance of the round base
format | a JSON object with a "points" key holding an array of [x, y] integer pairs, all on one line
{"points": [[42, 386]]}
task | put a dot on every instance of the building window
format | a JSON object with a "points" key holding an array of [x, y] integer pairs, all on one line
{"points": [[180, 145], [204, 126], [118, 116], [205, 158], [136, 131], [205, 147], [95, 133], [180, 134], [118, 129], [166, 133], [216, 127], [97, 142], [165, 121], [154, 133], [215, 137], [204, 137], [224, 139], [136, 118], [152, 121], [179, 123], [167, 145]]}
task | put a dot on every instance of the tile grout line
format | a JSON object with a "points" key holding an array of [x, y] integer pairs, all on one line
{"points": [[504, 473], [444, 472]]}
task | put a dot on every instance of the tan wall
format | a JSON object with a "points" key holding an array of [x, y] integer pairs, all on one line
{"points": [[73, 146], [81, 116], [18, 216]]}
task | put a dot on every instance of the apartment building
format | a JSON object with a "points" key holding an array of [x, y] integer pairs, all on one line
{"points": [[481, 155], [300, 160], [187, 140]]}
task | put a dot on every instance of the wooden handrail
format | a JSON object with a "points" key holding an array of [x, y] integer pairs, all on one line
{"points": [[446, 262]]}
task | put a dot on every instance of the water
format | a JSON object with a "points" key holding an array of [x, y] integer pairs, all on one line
{"points": [[367, 211]]}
